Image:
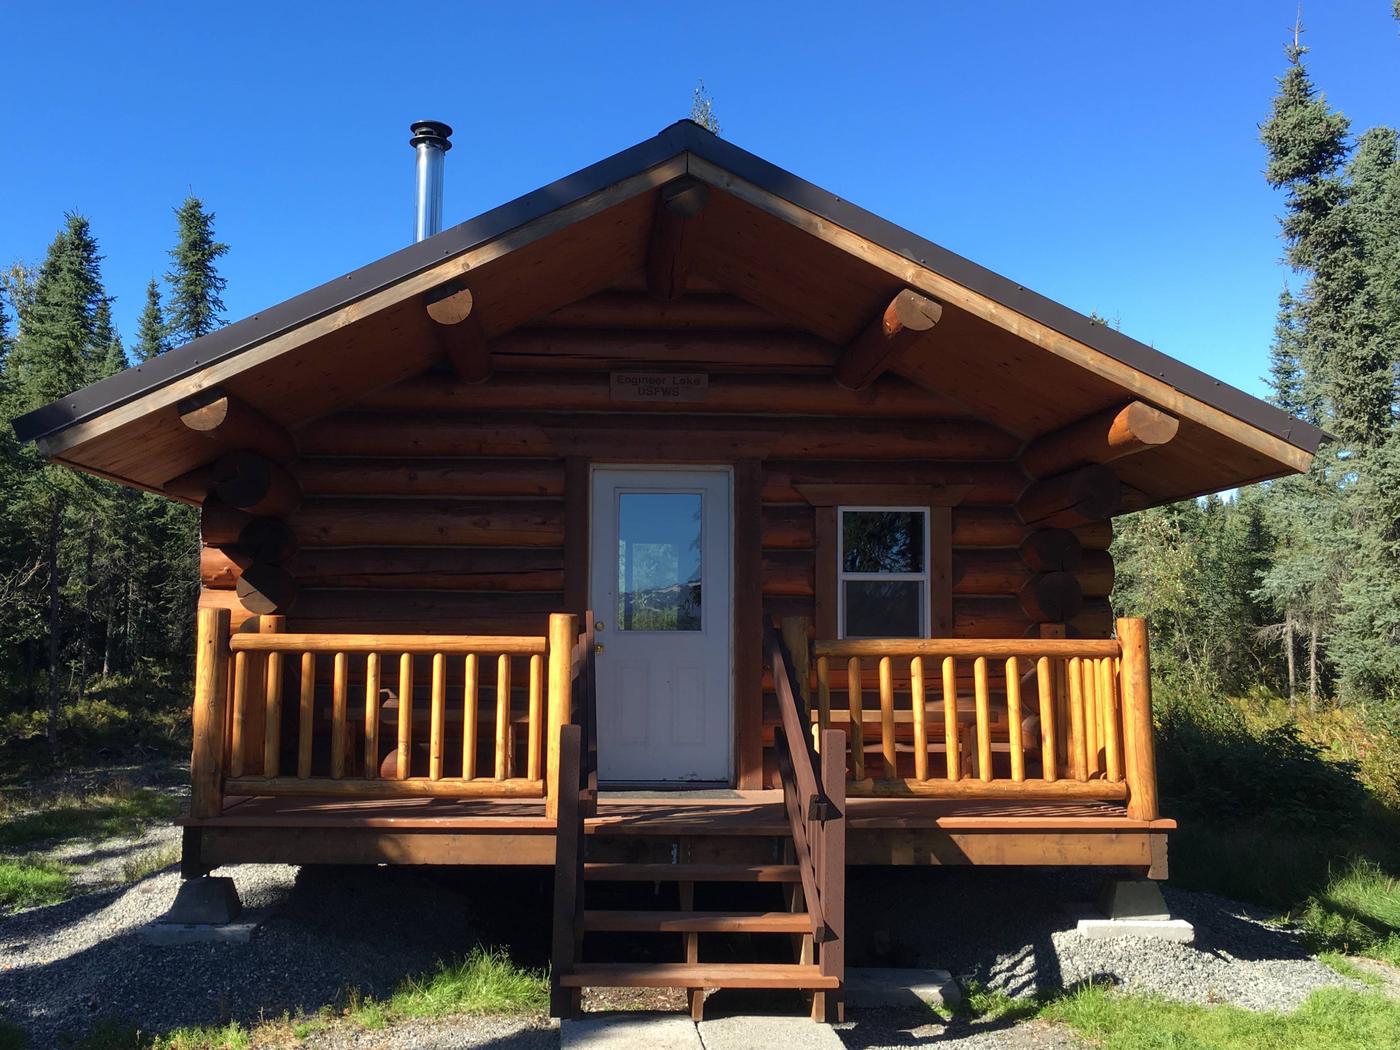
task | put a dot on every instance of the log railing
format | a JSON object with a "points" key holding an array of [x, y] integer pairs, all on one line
{"points": [[375, 716], [1035, 718], [814, 795]]}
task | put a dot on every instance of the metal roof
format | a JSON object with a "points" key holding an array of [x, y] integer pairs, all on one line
{"points": [[682, 137]]}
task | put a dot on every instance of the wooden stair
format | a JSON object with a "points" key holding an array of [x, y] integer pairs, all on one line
{"points": [[698, 975], [688, 851]]}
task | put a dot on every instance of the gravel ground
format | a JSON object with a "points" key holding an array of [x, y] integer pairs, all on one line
{"points": [[1014, 932], [66, 966]]}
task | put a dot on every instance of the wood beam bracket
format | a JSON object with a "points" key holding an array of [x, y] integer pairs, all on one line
{"points": [[902, 323], [675, 233], [457, 328]]}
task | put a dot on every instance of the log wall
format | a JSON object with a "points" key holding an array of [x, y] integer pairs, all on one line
{"points": [[451, 519]]}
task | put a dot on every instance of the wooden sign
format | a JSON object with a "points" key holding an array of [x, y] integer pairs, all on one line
{"points": [[658, 386]]}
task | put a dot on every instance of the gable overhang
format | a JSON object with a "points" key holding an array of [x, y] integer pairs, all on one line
{"points": [[291, 350]]}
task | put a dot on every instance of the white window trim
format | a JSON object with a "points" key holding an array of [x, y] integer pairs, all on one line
{"points": [[925, 594]]}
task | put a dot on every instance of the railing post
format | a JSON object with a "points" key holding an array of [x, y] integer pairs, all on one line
{"points": [[568, 871], [210, 697], [1137, 719], [563, 632], [831, 877]]}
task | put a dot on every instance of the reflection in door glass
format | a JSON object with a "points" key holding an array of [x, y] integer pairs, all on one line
{"points": [[658, 561]]}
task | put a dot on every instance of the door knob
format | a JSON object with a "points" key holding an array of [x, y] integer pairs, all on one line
{"points": [[598, 648], [599, 625]]}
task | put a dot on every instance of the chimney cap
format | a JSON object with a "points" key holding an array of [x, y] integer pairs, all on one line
{"points": [[431, 132]]}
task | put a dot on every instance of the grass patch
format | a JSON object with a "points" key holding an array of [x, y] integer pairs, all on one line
{"points": [[150, 862], [486, 982], [231, 1036], [1330, 1019], [1347, 968], [27, 883], [117, 811], [1358, 913]]}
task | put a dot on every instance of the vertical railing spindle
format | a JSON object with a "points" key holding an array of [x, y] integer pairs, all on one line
{"points": [[372, 716], [437, 716], [307, 714], [405, 736], [918, 699], [887, 741], [338, 711], [984, 718], [470, 696], [533, 754], [1013, 719], [1044, 669], [503, 729], [856, 706], [951, 742]]}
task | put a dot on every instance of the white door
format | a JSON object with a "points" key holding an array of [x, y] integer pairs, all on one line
{"points": [[660, 596]]}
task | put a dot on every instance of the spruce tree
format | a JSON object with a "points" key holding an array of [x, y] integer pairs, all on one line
{"points": [[195, 306], [151, 340], [1285, 377], [702, 108]]}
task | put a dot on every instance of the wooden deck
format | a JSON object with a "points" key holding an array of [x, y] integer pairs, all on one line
{"points": [[882, 831]]}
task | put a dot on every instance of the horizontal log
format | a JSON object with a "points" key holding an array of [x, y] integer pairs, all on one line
{"points": [[412, 787], [543, 349], [220, 567], [964, 648], [234, 424], [1052, 550], [989, 789], [1086, 494], [986, 481], [1100, 438], [269, 540], [743, 393], [788, 527], [1051, 597], [266, 589], [240, 619], [634, 310], [1096, 574], [430, 612], [433, 568], [693, 437], [341, 522], [253, 483], [788, 573], [370, 642], [463, 478]]}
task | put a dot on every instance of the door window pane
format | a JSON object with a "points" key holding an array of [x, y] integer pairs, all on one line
{"points": [[882, 541], [884, 608], [658, 561]]}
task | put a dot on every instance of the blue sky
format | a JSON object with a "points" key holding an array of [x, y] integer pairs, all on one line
{"points": [[1103, 154]]}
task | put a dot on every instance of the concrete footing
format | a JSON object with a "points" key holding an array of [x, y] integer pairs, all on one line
{"points": [[1136, 899], [210, 900], [881, 987], [1158, 929], [165, 933]]}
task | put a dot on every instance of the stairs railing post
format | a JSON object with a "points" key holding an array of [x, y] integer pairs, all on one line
{"points": [[1137, 719], [831, 877], [563, 631], [568, 874], [210, 700]]}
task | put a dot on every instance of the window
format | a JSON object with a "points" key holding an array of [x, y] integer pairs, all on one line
{"points": [[882, 572], [658, 561]]}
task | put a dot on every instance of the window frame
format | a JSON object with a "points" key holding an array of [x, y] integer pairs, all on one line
{"points": [[925, 577]]}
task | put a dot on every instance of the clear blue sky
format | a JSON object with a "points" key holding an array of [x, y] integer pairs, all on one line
{"points": [[1104, 154]]}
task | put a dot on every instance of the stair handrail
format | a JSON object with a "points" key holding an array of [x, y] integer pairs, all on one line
{"points": [[805, 762]]}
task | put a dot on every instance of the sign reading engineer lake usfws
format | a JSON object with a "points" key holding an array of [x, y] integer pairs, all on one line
{"points": [[658, 386]]}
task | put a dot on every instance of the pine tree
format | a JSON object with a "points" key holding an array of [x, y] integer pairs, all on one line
{"points": [[195, 308], [151, 340], [108, 354]]}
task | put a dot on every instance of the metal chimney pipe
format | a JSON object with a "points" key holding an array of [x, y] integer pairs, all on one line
{"points": [[431, 142]]}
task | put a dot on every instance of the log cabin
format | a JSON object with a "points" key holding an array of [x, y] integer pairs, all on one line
{"points": [[677, 523]]}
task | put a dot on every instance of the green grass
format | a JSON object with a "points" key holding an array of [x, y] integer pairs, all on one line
{"points": [[486, 982], [120, 810], [1331, 1019], [1357, 913], [150, 862], [28, 883], [231, 1036]]}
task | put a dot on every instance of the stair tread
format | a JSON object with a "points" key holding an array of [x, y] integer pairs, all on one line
{"points": [[697, 921], [696, 975], [641, 872]]}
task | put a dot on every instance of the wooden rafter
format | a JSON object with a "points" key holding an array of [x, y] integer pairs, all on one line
{"points": [[900, 325], [457, 328], [674, 235], [234, 424], [1100, 438]]}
